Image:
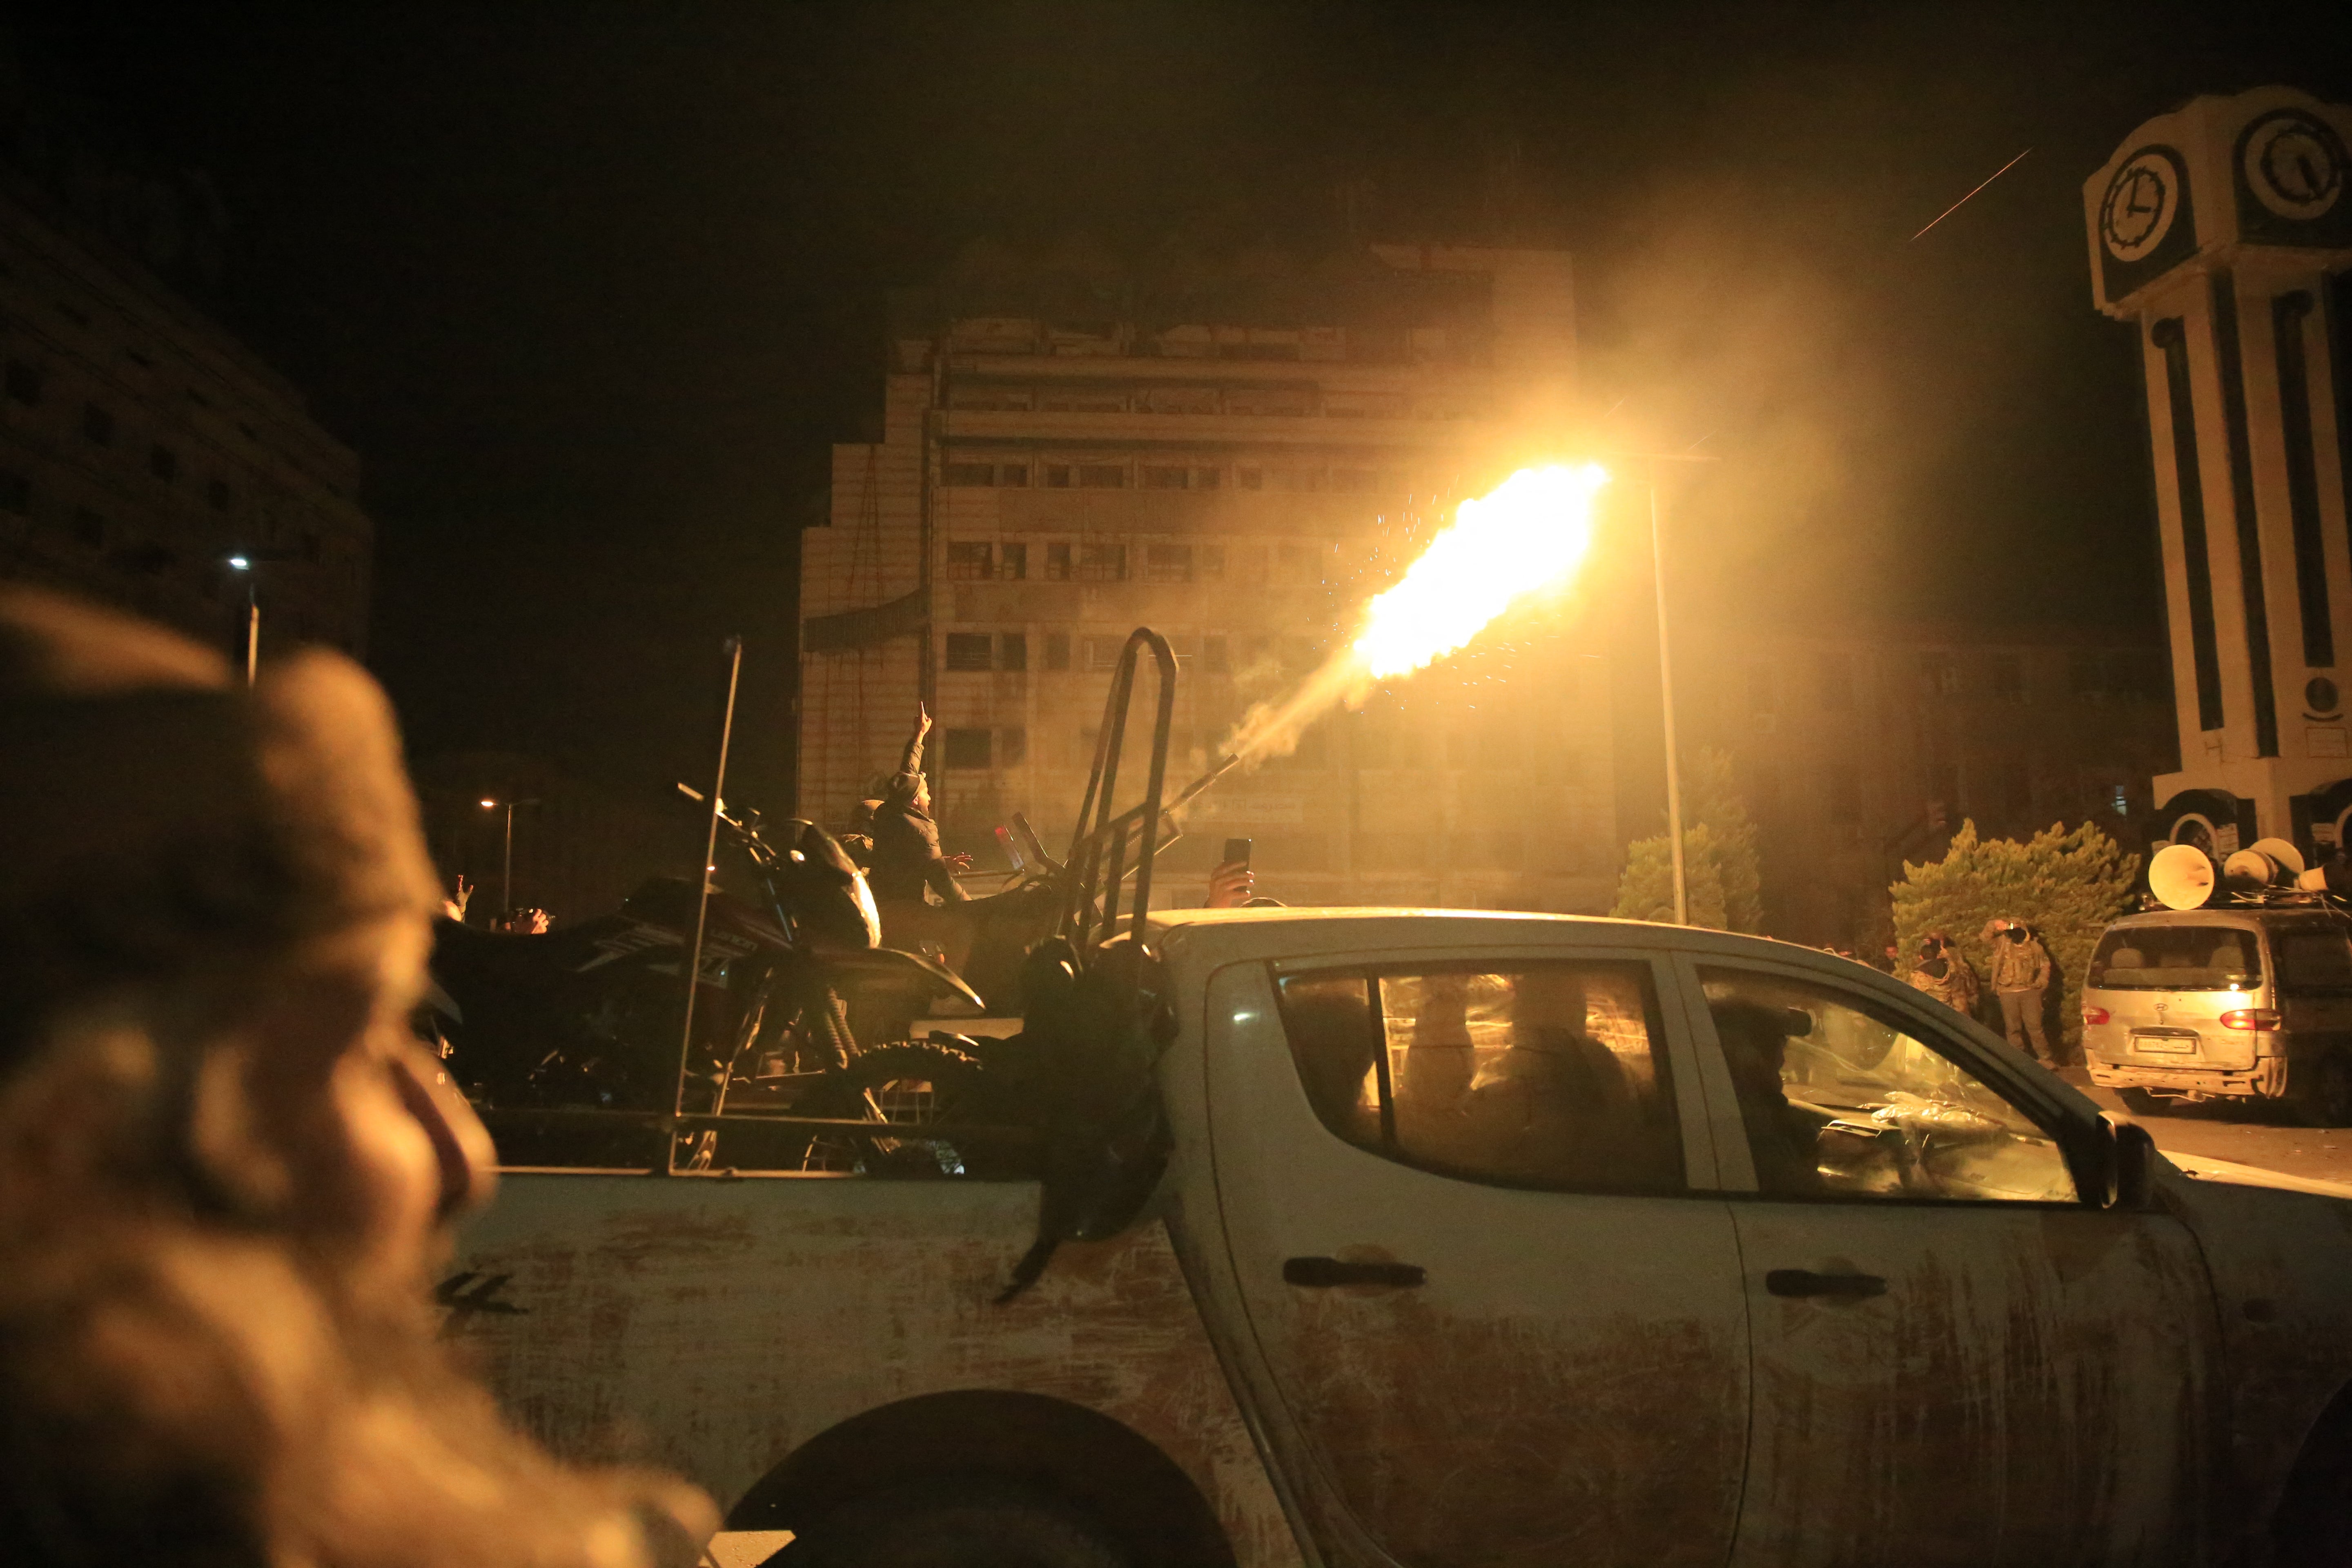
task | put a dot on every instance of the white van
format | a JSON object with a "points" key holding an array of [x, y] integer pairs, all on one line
{"points": [[2251, 1005]]}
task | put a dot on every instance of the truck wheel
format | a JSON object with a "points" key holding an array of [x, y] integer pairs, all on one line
{"points": [[2320, 1089], [2140, 1102], [965, 1526]]}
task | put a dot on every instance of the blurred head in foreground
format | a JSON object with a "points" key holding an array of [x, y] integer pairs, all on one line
{"points": [[225, 1172]]}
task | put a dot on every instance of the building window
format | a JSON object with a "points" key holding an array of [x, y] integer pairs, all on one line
{"points": [[969, 475], [970, 562], [1012, 561], [1214, 658], [1938, 675], [164, 463], [1166, 477], [967, 650], [1842, 793], [218, 494], [1208, 561], [1086, 476], [2009, 678], [1057, 562], [16, 492], [24, 381], [1944, 789], [1012, 651], [98, 424], [1167, 562], [1012, 746], [1057, 651], [969, 749], [2009, 786], [1102, 653], [1299, 563], [1102, 563], [1835, 672], [89, 528], [1250, 478]]}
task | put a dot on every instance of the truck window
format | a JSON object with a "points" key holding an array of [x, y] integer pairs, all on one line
{"points": [[1842, 1099], [2314, 960], [2175, 958], [1534, 1075]]}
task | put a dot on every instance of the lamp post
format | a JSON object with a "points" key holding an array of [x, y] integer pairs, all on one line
{"points": [[243, 565], [506, 862], [1666, 672], [1667, 704], [248, 563]]}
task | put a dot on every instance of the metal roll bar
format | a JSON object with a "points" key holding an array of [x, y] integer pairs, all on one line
{"points": [[1099, 853]]}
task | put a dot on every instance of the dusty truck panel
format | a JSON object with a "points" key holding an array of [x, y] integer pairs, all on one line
{"points": [[1564, 1378], [2279, 1261], [714, 1325]]}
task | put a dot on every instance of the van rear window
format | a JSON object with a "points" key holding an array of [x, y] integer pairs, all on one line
{"points": [[2177, 958]]}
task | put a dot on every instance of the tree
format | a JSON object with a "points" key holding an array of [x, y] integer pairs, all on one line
{"points": [[1719, 871], [2065, 885]]}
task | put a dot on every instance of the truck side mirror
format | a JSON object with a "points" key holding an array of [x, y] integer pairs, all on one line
{"points": [[2135, 1166]]}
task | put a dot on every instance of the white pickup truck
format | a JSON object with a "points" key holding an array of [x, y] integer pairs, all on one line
{"points": [[1487, 1239]]}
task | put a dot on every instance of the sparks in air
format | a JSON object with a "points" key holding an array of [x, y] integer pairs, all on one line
{"points": [[1531, 533]]}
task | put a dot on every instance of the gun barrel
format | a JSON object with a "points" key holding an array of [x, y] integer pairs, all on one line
{"points": [[1205, 780]]}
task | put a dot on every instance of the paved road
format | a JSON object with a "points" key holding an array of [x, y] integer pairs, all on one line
{"points": [[2249, 1138]]}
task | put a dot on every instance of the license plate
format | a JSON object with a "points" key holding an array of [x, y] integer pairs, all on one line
{"points": [[2177, 1044]]}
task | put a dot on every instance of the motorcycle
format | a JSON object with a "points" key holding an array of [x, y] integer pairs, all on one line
{"points": [[593, 1017]]}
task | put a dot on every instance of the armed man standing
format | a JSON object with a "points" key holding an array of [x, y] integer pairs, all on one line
{"points": [[2021, 972]]}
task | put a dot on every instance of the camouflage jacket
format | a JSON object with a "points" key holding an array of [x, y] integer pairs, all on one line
{"points": [[1956, 988], [2020, 965]]}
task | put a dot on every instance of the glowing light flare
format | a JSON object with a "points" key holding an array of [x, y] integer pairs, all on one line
{"points": [[1531, 533]]}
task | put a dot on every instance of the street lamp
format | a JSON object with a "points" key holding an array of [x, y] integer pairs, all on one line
{"points": [[245, 564], [506, 865], [1665, 675]]}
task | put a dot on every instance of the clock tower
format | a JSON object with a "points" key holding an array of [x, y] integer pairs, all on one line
{"points": [[2222, 231]]}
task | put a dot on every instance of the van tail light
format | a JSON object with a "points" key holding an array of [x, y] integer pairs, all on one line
{"points": [[2093, 1015], [2251, 1018]]}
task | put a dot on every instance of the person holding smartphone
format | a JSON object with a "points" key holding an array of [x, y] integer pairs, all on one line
{"points": [[1231, 884]]}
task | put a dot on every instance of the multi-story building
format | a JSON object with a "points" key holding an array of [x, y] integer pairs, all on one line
{"points": [[1848, 744], [1238, 458], [141, 446]]}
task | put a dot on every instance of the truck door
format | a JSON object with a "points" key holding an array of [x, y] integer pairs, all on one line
{"points": [[1496, 1319], [1955, 1361]]}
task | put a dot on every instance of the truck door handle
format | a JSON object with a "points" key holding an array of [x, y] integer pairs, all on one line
{"points": [[1805, 1282], [1321, 1273]]}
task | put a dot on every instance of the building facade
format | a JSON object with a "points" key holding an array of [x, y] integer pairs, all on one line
{"points": [[141, 446], [1850, 748], [1237, 457]]}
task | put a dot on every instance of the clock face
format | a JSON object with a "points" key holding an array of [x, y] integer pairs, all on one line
{"points": [[2295, 165], [2141, 203]]}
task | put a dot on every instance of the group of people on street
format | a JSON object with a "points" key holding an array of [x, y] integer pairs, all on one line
{"points": [[2020, 981]]}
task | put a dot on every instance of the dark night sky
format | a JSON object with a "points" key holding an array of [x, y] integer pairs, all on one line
{"points": [[590, 287]]}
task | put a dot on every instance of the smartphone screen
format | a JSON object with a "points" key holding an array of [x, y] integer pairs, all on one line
{"points": [[1237, 850]]}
